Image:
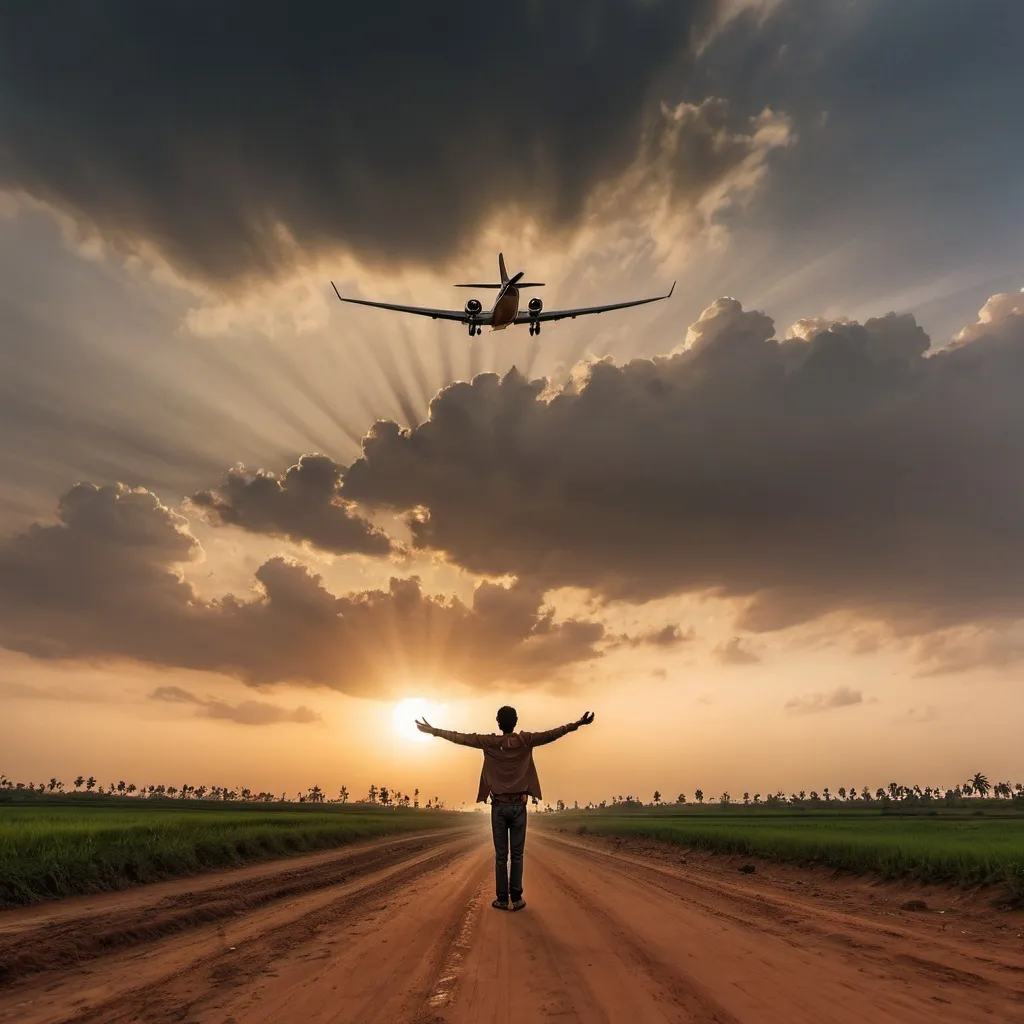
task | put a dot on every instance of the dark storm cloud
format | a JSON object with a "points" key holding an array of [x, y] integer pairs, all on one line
{"points": [[222, 134], [840, 697], [848, 472], [246, 712], [303, 505], [104, 583]]}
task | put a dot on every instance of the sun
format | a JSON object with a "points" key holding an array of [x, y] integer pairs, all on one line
{"points": [[407, 711]]}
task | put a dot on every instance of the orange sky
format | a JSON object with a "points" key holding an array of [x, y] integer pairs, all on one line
{"points": [[747, 603]]}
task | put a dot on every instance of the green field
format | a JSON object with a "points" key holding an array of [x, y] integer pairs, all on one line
{"points": [[53, 851], [959, 848]]}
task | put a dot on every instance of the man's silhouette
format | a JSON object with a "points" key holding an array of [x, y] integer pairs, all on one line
{"points": [[509, 776]]}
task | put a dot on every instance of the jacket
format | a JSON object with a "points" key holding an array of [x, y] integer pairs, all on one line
{"points": [[508, 758]]}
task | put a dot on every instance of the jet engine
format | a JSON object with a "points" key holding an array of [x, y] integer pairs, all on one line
{"points": [[535, 305], [473, 307]]}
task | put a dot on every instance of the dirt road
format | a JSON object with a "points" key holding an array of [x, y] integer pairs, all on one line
{"points": [[401, 931]]}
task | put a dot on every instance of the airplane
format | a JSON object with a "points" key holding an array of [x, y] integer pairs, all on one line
{"points": [[505, 311]]}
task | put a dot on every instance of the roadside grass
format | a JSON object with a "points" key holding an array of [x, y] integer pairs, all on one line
{"points": [[959, 850], [48, 852]]}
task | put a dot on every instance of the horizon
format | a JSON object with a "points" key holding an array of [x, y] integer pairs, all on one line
{"points": [[766, 529]]}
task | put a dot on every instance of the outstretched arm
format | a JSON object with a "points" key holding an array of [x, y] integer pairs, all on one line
{"points": [[465, 739], [538, 739]]}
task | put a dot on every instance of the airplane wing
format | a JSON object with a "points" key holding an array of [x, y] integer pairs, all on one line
{"points": [[563, 314], [483, 317]]}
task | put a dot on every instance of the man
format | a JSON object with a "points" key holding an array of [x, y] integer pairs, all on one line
{"points": [[509, 776]]}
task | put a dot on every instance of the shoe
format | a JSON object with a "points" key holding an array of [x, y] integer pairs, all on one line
{"points": [[500, 904], [518, 904]]}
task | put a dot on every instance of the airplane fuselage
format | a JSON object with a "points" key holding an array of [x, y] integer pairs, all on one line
{"points": [[506, 308]]}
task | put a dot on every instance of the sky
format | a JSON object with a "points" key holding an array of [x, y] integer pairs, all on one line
{"points": [[769, 530]]}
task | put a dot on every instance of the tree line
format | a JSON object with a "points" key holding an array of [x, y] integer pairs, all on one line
{"points": [[977, 787], [381, 796]]}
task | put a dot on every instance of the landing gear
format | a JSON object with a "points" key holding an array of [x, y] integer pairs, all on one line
{"points": [[534, 328], [474, 329]]}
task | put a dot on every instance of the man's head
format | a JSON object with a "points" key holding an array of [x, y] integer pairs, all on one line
{"points": [[507, 719]]}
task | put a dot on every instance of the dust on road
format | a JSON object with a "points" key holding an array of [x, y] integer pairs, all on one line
{"points": [[401, 931]]}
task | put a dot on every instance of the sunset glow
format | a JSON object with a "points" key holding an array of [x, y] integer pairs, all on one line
{"points": [[406, 712], [769, 522]]}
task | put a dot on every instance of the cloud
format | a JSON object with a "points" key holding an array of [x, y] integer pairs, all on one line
{"points": [[105, 583], [736, 652], [667, 636], [840, 697], [303, 505], [248, 712], [959, 650], [254, 144], [61, 694], [845, 469]]}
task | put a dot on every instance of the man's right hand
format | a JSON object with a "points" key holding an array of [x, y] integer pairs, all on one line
{"points": [[588, 717]]}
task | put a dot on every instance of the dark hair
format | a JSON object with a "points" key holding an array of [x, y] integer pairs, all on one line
{"points": [[507, 718]]}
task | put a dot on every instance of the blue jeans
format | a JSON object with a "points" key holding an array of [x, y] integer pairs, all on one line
{"points": [[508, 823]]}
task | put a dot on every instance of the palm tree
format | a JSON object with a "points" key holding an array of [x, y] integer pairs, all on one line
{"points": [[416, 797], [373, 794], [725, 798], [746, 798], [842, 792], [826, 794], [657, 798], [981, 785], [90, 783], [79, 782], [343, 794], [699, 794]]}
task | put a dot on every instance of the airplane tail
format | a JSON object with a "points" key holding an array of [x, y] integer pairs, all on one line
{"points": [[504, 279]]}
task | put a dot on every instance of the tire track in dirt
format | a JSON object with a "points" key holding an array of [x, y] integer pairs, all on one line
{"points": [[167, 976], [784, 917], [686, 994], [76, 941]]}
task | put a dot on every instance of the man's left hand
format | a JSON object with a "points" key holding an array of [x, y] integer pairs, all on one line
{"points": [[424, 726]]}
